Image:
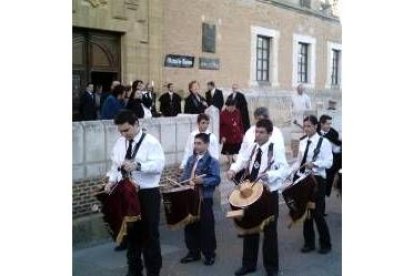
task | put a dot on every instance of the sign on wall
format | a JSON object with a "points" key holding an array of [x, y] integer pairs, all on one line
{"points": [[209, 63], [179, 61], [208, 38]]}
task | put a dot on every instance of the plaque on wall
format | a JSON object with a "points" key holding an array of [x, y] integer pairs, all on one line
{"points": [[179, 61], [209, 63], [209, 38]]}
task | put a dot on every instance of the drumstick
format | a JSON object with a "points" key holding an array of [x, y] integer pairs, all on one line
{"points": [[188, 180]]}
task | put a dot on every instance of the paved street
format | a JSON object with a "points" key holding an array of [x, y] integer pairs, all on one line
{"points": [[102, 260]]}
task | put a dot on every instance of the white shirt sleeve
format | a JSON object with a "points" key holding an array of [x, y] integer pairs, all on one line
{"points": [[113, 172], [156, 159], [214, 146], [280, 167], [188, 150], [325, 158], [242, 160]]}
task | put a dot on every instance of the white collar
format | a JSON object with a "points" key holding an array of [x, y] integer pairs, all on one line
{"points": [[264, 146]]}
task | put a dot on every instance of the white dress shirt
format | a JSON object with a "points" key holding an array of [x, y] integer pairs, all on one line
{"points": [[323, 160], [212, 92], [150, 155], [213, 148], [250, 136], [300, 103], [277, 172]]}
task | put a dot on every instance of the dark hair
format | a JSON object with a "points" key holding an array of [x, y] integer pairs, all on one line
{"points": [[324, 118], [169, 85], [125, 116], [203, 137], [118, 90], [135, 84], [230, 102], [265, 123], [261, 111], [203, 116], [211, 83], [191, 84], [312, 119]]}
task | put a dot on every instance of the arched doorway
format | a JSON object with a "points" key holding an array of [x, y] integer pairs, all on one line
{"points": [[96, 58]]}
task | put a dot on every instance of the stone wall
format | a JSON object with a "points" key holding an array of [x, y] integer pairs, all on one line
{"points": [[92, 144], [93, 141]]}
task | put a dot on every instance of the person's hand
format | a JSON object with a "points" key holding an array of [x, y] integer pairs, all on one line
{"points": [[108, 187], [223, 140], [198, 180], [129, 166], [192, 184], [231, 174]]}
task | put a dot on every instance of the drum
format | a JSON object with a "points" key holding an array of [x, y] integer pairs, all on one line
{"points": [[120, 208], [298, 195], [253, 210], [181, 205]]}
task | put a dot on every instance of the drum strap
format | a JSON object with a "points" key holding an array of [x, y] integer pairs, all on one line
{"points": [[269, 158], [317, 149], [136, 148]]}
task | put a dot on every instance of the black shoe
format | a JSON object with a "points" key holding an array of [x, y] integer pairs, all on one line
{"points": [[209, 260], [190, 258], [325, 215], [324, 250], [244, 270], [121, 247], [307, 249]]}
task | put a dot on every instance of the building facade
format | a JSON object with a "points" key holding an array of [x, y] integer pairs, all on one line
{"points": [[262, 45]]}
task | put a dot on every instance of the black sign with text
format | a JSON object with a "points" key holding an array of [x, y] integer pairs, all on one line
{"points": [[179, 61]]}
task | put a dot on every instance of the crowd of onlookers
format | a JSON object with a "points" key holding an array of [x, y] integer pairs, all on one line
{"points": [[141, 99]]}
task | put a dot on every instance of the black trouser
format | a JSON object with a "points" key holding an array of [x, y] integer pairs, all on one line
{"points": [[143, 236], [270, 250], [200, 235], [330, 173], [317, 215]]}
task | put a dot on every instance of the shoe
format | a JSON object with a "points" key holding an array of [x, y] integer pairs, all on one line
{"points": [[190, 258], [324, 250], [244, 270], [307, 249], [209, 260], [325, 215]]}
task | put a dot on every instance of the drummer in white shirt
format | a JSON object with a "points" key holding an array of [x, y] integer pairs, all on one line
{"points": [[203, 121], [262, 162], [249, 137], [317, 163], [145, 168]]}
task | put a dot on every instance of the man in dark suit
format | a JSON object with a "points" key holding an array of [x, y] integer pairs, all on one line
{"points": [[241, 105], [149, 99], [87, 106], [214, 96], [194, 103], [170, 102], [326, 130]]}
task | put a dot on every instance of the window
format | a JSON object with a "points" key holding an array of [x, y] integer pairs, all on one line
{"points": [[262, 58], [335, 67], [303, 62]]}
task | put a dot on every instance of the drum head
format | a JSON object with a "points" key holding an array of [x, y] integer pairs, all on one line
{"points": [[237, 200]]}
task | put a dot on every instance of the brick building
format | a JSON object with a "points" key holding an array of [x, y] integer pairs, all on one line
{"points": [[262, 45]]}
